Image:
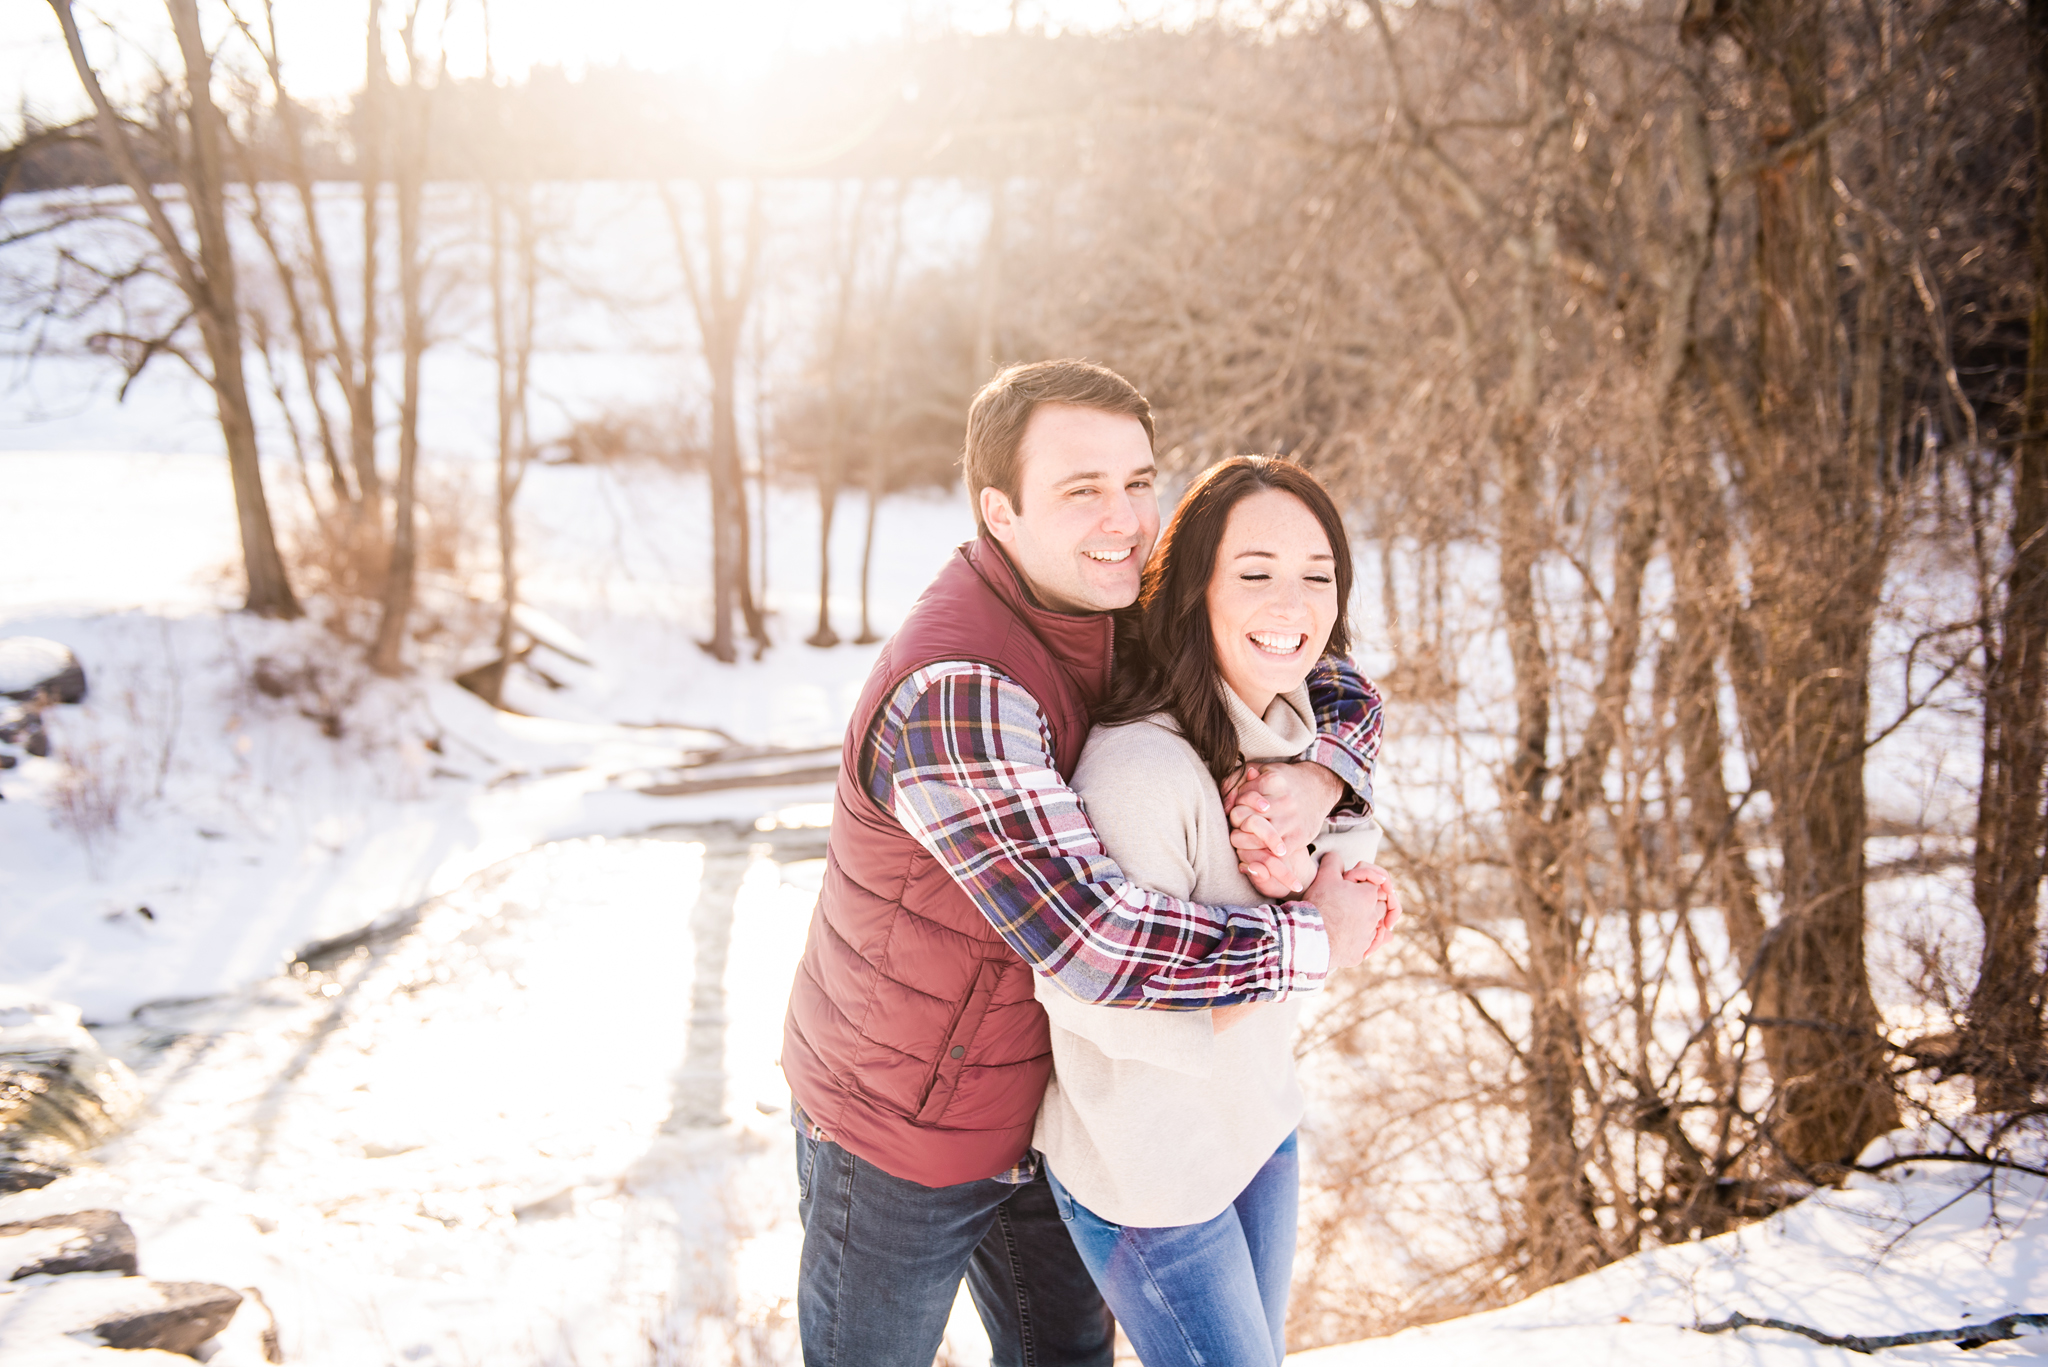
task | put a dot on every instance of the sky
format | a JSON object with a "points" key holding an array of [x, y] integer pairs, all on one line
{"points": [[323, 44]]}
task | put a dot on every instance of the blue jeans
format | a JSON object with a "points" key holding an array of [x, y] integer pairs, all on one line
{"points": [[1213, 1293], [883, 1259]]}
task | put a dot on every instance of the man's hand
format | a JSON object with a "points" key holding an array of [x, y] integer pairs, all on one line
{"points": [[1390, 901], [1275, 811], [1358, 910]]}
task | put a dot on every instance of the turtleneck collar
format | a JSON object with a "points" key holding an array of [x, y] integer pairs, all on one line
{"points": [[1285, 730]]}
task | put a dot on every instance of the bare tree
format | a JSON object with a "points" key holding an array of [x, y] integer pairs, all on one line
{"points": [[881, 372], [205, 277], [720, 293], [845, 243], [514, 267], [1808, 480], [2006, 1050], [416, 103]]}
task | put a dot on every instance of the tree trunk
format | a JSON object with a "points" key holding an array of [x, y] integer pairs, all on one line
{"points": [[2005, 1039], [220, 323], [987, 307], [361, 380], [720, 299], [1560, 1235], [386, 655], [1802, 675], [832, 460], [878, 414]]}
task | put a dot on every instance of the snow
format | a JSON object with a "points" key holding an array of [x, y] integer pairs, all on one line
{"points": [[1928, 1245]]}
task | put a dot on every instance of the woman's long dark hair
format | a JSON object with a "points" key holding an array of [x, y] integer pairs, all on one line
{"points": [[1166, 654]]}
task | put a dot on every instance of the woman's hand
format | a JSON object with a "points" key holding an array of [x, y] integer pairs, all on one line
{"points": [[1390, 901], [1275, 810], [1279, 878]]}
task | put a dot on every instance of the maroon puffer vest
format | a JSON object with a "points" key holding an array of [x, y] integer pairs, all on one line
{"points": [[912, 1037]]}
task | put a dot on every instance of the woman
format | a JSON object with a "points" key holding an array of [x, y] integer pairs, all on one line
{"points": [[1169, 1135]]}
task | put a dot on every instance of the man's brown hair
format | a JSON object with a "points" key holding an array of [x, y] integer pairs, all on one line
{"points": [[996, 421]]}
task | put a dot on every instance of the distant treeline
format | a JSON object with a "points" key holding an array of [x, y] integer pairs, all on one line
{"points": [[939, 107]]}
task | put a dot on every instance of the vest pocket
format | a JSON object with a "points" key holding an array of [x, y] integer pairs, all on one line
{"points": [[957, 1044]]}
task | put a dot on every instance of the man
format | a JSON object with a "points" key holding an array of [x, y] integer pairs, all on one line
{"points": [[960, 863]]}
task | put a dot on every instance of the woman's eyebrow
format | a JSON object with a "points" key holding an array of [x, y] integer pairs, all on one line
{"points": [[1270, 555]]}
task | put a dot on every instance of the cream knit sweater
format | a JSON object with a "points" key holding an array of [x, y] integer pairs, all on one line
{"points": [[1151, 1117]]}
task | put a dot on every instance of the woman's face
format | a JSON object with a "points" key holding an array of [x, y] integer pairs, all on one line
{"points": [[1272, 596]]}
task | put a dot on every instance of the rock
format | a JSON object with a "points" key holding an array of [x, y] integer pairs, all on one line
{"points": [[59, 1093], [187, 1314], [32, 667], [86, 1241], [23, 726], [269, 1340]]}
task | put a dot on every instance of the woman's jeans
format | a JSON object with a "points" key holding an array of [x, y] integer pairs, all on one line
{"points": [[1213, 1293]]}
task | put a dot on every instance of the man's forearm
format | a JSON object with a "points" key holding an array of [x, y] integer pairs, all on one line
{"points": [[1348, 729], [969, 774]]}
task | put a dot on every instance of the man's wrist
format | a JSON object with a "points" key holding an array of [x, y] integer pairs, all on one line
{"points": [[1354, 783], [1330, 789]]}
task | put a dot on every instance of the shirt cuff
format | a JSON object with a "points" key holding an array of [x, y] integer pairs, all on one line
{"points": [[1356, 778], [1304, 947]]}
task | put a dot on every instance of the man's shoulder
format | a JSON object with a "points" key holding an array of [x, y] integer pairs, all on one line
{"points": [[921, 680]]}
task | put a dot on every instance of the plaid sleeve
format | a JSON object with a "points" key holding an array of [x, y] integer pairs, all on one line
{"points": [[963, 757], [1348, 720]]}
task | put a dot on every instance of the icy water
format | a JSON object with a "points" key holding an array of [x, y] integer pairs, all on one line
{"points": [[539, 1123]]}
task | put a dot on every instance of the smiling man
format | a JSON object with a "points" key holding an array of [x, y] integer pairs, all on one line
{"points": [[960, 863]]}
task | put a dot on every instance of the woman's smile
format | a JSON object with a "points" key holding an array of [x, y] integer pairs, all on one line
{"points": [[1272, 596]]}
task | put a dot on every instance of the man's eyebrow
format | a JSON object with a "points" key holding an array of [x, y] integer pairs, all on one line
{"points": [[1086, 475]]}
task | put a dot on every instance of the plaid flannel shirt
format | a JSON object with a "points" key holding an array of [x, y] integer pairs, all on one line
{"points": [[962, 755]]}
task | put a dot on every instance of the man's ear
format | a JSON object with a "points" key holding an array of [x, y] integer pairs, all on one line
{"points": [[997, 514]]}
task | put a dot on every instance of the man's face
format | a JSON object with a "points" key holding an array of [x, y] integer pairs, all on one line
{"points": [[1091, 511]]}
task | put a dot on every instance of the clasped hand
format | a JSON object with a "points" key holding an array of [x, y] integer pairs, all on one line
{"points": [[1275, 811]]}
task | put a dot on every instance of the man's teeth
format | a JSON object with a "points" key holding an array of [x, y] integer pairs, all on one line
{"points": [[1278, 645], [1110, 557]]}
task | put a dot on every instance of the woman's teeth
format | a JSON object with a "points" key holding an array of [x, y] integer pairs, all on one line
{"points": [[1110, 557], [1276, 645]]}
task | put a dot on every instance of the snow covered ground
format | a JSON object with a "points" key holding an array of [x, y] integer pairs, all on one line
{"points": [[537, 1120]]}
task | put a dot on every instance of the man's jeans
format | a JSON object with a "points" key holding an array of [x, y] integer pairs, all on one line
{"points": [[1213, 1293], [883, 1259]]}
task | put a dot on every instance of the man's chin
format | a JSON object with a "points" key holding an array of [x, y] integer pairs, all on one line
{"points": [[1112, 596]]}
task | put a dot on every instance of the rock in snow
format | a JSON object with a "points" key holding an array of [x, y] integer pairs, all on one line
{"points": [[183, 1316], [60, 1094], [31, 665], [83, 1241]]}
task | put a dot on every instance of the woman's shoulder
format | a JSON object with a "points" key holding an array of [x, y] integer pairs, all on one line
{"points": [[1154, 742]]}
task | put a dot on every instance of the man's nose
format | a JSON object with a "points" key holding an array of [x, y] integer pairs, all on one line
{"points": [[1121, 517]]}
